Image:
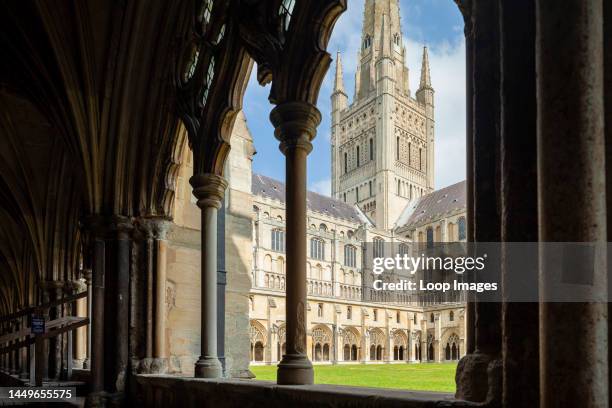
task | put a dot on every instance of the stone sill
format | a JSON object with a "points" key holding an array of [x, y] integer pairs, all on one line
{"points": [[167, 390]]}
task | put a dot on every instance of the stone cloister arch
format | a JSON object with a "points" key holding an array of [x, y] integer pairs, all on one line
{"points": [[351, 340], [92, 94], [322, 339], [400, 345], [259, 340], [377, 341]]}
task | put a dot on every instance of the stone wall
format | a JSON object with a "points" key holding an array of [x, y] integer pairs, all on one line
{"points": [[165, 391]]}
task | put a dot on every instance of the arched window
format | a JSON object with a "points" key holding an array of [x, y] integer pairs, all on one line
{"points": [[322, 227], [358, 159], [397, 317], [396, 39], [371, 149], [431, 318], [367, 42], [350, 256], [345, 163], [317, 249], [280, 265], [397, 148], [410, 154], [278, 240], [414, 318], [379, 247], [349, 312], [430, 237], [420, 159], [462, 232], [451, 316]]}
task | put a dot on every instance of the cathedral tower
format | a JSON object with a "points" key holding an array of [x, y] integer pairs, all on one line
{"points": [[383, 143]]}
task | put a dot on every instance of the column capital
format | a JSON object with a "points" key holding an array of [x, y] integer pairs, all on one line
{"points": [[86, 273], [102, 225], [75, 286], [295, 125], [154, 227], [209, 189]]}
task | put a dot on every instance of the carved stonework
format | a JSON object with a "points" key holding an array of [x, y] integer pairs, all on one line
{"points": [[170, 295]]}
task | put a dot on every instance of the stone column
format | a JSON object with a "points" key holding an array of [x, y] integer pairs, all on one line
{"points": [[479, 372], [123, 228], [608, 115], [570, 85], [295, 126], [80, 337], [97, 323], [160, 363], [209, 189], [87, 275], [519, 212]]}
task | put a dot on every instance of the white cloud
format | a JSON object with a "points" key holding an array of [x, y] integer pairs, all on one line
{"points": [[321, 187]]}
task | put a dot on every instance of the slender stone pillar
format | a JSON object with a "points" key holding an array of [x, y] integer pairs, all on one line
{"points": [[121, 284], [80, 334], [160, 306], [87, 275], [571, 163], [209, 189], [25, 367], [295, 126], [608, 125], [221, 284], [97, 317], [519, 214], [469, 107]]}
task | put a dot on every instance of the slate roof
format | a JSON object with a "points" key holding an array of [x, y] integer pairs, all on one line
{"points": [[269, 188], [433, 206]]}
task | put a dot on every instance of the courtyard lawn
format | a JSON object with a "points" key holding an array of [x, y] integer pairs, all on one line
{"points": [[438, 377]]}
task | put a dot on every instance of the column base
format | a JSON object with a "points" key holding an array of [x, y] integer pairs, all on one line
{"points": [[96, 400], [295, 369], [478, 378], [208, 367]]}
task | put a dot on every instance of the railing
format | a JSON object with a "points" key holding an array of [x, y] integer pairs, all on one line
{"points": [[352, 292], [25, 337], [320, 288], [274, 281]]}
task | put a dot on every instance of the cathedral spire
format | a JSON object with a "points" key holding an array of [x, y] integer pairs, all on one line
{"points": [[425, 72], [339, 81]]}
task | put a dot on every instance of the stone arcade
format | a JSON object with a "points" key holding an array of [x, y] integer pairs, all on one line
{"points": [[98, 99]]}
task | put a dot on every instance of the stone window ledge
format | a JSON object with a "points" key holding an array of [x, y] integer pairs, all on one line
{"points": [[166, 390]]}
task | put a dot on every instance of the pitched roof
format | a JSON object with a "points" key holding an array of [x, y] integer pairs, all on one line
{"points": [[433, 206], [269, 188]]}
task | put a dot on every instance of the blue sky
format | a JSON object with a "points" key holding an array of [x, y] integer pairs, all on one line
{"points": [[435, 23]]}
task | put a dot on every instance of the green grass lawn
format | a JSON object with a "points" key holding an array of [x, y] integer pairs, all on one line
{"points": [[423, 377]]}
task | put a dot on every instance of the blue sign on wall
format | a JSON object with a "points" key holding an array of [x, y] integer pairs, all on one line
{"points": [[38, 325]]}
